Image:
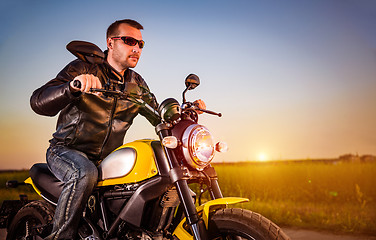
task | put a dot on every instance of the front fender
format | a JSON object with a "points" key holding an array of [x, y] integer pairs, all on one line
{"points": [[205, 209]]}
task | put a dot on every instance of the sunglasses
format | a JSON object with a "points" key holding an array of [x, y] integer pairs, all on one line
{"points": [[131, 41]]}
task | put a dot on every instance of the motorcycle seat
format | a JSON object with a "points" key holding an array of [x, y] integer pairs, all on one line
{"points": [[49, 186]]}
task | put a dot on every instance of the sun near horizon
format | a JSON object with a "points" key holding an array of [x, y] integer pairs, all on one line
{"points": [[262, 157]]}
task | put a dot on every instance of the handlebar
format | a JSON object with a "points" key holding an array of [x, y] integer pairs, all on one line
{"points": [[123, 95], [210, 112], [76, 84]]}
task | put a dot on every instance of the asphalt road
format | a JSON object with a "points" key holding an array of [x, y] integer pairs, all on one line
{"points": [[301, 234], [295, 234]]}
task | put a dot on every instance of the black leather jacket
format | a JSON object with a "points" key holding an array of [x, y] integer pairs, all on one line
{"points": [[95, 125]]}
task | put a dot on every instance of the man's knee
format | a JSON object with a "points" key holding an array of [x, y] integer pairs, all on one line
{"points": [[89, 175]]}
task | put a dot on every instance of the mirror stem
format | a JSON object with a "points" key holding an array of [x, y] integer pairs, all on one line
{"points": [[184, 94]]}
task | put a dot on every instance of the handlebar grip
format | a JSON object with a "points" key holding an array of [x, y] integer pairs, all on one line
{"points": [[211, 112], [76, 84]]}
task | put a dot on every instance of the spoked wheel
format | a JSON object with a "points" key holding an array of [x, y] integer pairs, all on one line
{"points": [[34, 214], [235, 223]]}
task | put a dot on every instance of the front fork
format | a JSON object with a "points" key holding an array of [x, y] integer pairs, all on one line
{"points": [[179, 177], [197, 224]]}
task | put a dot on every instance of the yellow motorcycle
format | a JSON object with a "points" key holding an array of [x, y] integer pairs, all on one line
{"points": [[143, 190]]}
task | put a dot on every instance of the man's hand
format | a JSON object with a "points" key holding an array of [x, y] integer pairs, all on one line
{"points": [[200, 104], [87, 81]]}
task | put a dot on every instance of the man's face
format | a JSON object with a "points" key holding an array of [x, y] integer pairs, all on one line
{"points": [[121, 54]]}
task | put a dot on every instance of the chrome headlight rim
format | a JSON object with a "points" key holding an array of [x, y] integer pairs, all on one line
{"points": [[189, 138]]}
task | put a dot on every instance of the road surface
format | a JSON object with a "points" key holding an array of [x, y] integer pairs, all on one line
{"points": [[301, 234], [295, 234]]}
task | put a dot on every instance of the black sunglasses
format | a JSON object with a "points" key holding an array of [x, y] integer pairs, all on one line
{"points": [[131, 41]]}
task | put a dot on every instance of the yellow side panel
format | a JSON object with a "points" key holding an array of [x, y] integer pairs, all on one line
{"points": [[144, 167], [29, 181]]}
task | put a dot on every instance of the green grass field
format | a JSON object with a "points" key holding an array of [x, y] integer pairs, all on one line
{"points": [[336, 197], [13, 193]]}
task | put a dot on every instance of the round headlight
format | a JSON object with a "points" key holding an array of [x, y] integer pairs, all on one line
{"points": [[198, 146]]}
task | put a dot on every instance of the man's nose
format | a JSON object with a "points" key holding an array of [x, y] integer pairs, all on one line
{"points": [[136, 48]]}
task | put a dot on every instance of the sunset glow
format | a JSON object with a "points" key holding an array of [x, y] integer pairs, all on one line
{"points": [[262, 157], [292, 79]]}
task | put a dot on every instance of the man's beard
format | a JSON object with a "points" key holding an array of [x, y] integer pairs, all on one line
{"points": [[130, 63]]}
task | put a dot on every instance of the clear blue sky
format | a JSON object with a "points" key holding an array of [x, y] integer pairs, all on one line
{"points": [[294, 78]]}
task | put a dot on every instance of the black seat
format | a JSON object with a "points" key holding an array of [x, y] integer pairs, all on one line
{"points": [[49, 186]]}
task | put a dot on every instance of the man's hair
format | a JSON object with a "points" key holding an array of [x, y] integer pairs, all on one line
{"points": [[112, 30]]}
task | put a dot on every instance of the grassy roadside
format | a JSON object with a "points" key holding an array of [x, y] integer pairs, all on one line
{"points": [[337, 197], [13, 193]]}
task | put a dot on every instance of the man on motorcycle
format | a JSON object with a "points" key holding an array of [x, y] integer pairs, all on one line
{"points": [[90, 125]]}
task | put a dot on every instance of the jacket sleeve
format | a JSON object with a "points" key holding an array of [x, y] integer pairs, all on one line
{"points": [[151, 101], [52, 97], [152, 118]]}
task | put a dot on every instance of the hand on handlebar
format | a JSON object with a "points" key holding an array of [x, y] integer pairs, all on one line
{"points": [[87, 81], [200, 104], [200, 107]]}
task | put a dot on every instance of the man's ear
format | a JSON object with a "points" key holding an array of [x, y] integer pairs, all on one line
{"points": [[110, 43]]}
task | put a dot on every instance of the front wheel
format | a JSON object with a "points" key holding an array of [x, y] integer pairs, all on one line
{"points": [[236, 223]]}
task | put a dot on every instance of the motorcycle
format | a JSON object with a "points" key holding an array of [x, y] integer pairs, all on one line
{"points": [[144, 187]]}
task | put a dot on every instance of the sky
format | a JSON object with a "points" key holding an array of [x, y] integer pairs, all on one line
{"points": [[294, 79]]}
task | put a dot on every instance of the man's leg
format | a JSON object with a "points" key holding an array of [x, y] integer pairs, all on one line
{"points": [[80, 176]]}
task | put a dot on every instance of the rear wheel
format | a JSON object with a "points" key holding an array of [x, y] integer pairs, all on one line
{"points": [[235, 223], [34, 214]]}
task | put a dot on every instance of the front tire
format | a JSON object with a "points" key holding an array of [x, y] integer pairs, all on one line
{"points": [[236, 223], [35, 213]]}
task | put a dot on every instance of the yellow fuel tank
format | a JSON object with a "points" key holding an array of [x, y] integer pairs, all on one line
{"points": [[130, 163]]}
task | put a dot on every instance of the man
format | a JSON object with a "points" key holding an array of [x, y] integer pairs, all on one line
{"points": [[90, 126]]}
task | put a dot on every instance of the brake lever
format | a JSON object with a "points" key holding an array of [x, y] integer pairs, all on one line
{"points": [[209, 112], [195, 107]]}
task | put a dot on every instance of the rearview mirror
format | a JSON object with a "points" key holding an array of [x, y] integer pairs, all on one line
{"points": [[86, 51], [192, 81]]}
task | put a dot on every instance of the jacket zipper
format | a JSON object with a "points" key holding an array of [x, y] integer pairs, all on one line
{"points": [[109, 127]]}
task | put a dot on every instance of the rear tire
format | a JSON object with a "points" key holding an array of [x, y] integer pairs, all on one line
{"points": [[236, 223], [35, 213]]}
